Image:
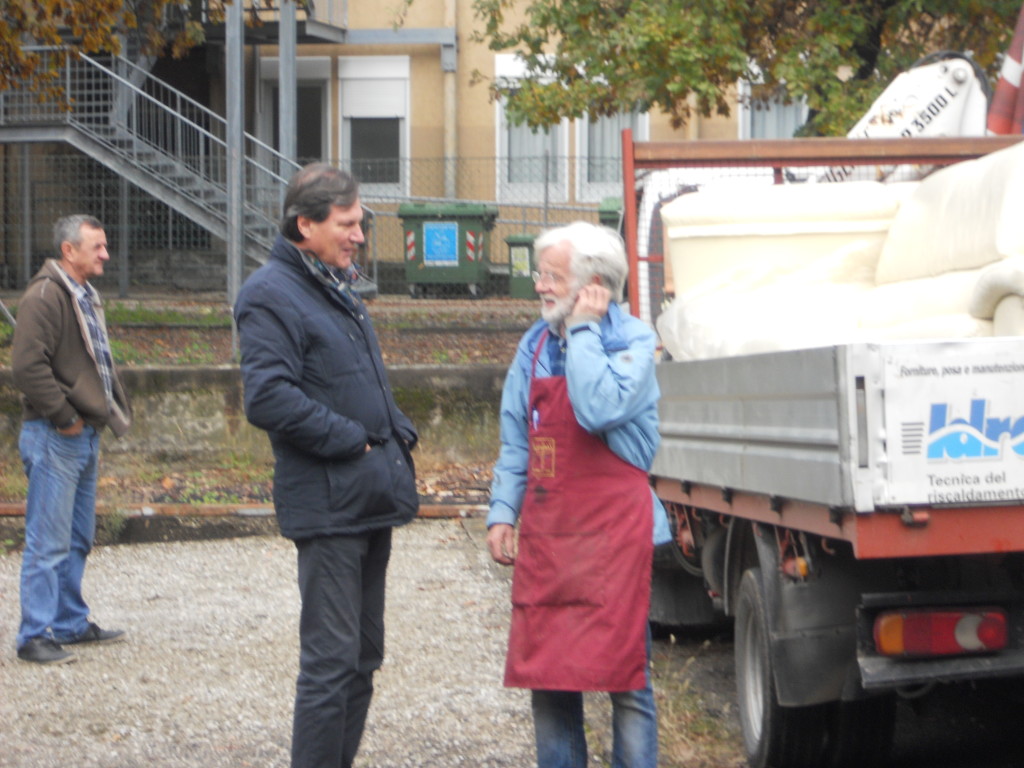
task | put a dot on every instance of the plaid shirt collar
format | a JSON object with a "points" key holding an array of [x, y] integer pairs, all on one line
{"points": [[87, 300]]}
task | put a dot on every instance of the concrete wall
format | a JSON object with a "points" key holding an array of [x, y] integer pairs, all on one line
{"points": [[183, 411]]}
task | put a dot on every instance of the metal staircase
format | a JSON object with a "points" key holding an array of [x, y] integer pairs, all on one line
{"points": [[156, 137]]}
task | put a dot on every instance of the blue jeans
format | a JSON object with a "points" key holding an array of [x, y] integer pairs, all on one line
{"points": [[60, 522], [341, 638], [558, 725]]}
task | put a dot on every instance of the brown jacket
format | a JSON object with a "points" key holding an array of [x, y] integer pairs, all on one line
{"points": [[53, 362]]}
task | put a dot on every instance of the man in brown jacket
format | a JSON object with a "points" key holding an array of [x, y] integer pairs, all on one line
{"points": [[69, 392]]}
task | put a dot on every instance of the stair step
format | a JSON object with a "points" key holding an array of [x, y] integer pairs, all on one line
{"points": [[102, 100]]}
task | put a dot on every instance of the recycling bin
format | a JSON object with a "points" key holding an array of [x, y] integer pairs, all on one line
{"points": [[520, 265], [447, 245], [609, 213]]}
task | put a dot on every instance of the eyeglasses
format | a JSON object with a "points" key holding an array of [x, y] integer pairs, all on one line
{"points": [[547, 277]]}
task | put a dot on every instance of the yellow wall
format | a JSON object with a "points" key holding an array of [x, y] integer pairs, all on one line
{"points": [[475, 122]]}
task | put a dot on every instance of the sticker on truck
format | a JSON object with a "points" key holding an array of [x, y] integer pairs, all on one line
{"points": [[955, 424]]}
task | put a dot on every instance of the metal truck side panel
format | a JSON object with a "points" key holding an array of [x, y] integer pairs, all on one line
{"points": [[856, 426], [774, 424]]}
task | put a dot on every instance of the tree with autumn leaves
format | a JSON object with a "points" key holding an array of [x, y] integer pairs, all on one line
{"points": [[88, 26], [599, 57]]}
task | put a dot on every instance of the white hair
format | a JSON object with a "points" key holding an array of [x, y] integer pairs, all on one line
{"points": [[594, 250]]}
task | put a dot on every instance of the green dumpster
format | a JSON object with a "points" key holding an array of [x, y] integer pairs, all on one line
{"points": [[609, 213], [447, 245], [520, 265]]}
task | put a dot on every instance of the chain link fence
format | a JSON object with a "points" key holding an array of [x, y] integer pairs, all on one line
{"points": [[434, 228]]}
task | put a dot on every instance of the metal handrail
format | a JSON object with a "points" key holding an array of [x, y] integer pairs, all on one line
{"points": [[206, 111], [176, 141]]}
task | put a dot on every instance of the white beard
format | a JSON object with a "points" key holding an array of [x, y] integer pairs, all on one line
{"points": [[556, 314]]}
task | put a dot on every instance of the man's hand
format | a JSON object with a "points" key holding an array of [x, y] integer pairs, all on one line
{"points": [[501, 543], [593, 299]]}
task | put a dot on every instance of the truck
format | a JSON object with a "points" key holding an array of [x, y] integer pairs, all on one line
{"points": [[842, 425]]}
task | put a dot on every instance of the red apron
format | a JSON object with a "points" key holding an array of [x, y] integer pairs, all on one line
{"points": [[582, 580]]}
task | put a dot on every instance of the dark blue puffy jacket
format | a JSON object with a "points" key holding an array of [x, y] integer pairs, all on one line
{"points": [[315, 381]]}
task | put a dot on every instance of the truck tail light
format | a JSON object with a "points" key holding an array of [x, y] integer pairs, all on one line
{"points": [[923, 632]]}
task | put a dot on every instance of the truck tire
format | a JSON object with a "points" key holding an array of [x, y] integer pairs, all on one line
{"points": [[861, 732], [773, 736]]}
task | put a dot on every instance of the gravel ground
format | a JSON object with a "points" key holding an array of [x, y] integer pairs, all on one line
{"points": [[206, 677]]}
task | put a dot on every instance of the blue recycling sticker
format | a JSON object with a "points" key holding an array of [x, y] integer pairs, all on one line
{"points": [[441, 243]]}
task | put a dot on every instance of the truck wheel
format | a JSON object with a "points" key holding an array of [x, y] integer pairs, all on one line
{"points": [[773, 736], [861, 732]]}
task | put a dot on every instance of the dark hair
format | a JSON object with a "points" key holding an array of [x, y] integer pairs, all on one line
{"points": [[311, 193], [69, 229]]}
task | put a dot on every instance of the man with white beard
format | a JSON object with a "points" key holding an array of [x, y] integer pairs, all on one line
{"points": [[579, 428]]}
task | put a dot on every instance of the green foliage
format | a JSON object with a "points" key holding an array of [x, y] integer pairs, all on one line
{"points": [[600, 57]]}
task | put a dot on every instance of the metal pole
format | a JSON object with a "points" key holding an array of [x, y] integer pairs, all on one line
{"points": [[287, 85], [451, 108], [234, 72], [629, 213], [122, 246], [547, 195], [26, 217], [7, 314]]}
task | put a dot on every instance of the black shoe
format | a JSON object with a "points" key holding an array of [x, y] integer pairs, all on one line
{"points": [[93, 634], [43, 650]]}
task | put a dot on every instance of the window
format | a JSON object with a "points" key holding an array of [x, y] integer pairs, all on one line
{"points": [[532, 154], [600, 153], [532, 163], [768, 119], [374, 100], [312, 124], [309, 123], [376, 148]]}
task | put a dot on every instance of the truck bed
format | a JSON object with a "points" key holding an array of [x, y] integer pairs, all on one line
{"points": [[900, 427]]}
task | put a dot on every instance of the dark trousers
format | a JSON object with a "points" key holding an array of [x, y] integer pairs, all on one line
{"points": [[341, 635]]}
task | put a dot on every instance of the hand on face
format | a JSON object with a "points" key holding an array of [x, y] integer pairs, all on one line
{"points": [[592, 299]]}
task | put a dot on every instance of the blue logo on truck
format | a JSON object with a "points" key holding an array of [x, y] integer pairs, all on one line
{"points": [[978, 436]]}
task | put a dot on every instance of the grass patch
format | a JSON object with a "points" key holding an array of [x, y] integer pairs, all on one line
{"points": [[13, 483], [196, 352], [132, 313], [691, 731], [695, 729], [193, 349], [225, 478], [111, 526], [125, 353]]}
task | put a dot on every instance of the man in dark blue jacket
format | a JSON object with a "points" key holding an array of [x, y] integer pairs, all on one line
{"points": [[343, 475]]}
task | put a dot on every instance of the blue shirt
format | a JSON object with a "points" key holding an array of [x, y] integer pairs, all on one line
{"points": [[609, 370]]}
